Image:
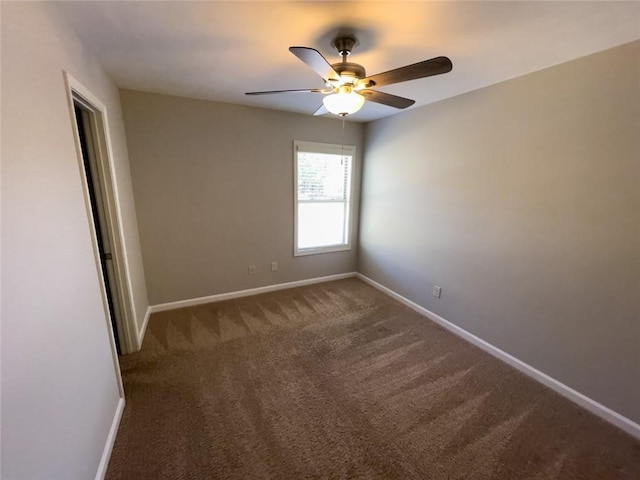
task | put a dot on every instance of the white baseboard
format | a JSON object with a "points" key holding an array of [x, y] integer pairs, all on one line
{"points": [[240, 293], [143, 329], [598, 409], [111, 439]]}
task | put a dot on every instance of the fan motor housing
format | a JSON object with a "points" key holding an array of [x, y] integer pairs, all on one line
{"points": [[349, 69]]}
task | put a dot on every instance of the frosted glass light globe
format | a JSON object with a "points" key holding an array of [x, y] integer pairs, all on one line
{"points": [[345, 102]]}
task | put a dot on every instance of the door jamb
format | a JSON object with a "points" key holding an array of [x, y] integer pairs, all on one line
{"points": [[76, 92]]}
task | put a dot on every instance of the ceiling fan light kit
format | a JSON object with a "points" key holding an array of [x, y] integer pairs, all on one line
{"points": [[345, 102], [347, 85]]}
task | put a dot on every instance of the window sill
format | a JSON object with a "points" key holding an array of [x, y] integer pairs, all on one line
{"points": [[318, 250]]}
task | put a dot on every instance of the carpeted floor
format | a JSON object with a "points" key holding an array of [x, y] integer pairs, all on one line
{"points": [[337, 380]]}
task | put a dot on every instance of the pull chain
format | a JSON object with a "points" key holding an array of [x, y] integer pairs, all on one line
{"points": [[342, 143]]}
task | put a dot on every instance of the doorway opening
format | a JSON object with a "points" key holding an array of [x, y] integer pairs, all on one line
{"points": [[87, 145]]}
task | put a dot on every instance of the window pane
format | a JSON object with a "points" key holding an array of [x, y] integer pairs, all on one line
{"points": [[321, 224], [322, 176]]}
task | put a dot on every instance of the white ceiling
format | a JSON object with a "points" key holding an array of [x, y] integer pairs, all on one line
{"points": [[219, 50]]}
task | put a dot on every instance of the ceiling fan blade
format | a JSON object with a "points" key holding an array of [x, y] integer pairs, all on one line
{"points": [[321, 110], [387, 98], [301, 90], [434, 66], [316, 61]]}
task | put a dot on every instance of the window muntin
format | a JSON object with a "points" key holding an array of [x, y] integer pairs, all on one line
{"points": [[323, 174]]}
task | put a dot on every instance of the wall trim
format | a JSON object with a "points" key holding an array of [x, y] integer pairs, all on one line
{"points": [[237, 294], [104, 164], [143, 328], [111, 440], [77, 92], [582, 400]]}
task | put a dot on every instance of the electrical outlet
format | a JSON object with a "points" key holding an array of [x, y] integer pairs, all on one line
{"points": [[274, 266], [437, 291], [252, 269]]}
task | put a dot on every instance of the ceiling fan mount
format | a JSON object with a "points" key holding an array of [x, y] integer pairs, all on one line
{"points": [[347, 85], [344, 45]]}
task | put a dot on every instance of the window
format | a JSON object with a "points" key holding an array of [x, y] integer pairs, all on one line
{"points": [[322, 197]]}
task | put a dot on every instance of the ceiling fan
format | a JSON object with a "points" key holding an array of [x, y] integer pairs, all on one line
{"points": [[346, 84]]}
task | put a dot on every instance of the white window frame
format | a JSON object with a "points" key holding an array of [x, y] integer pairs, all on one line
{"points": [[328, 148]]}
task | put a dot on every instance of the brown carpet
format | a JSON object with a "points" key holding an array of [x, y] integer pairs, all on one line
{"points": [[337, 380]]}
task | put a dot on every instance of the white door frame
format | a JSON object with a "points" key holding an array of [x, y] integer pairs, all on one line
{"points": [[126, 322]]}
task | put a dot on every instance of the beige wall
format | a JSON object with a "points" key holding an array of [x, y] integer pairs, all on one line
{"points": [[522, 201], [213, 185], [59, 384]]}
